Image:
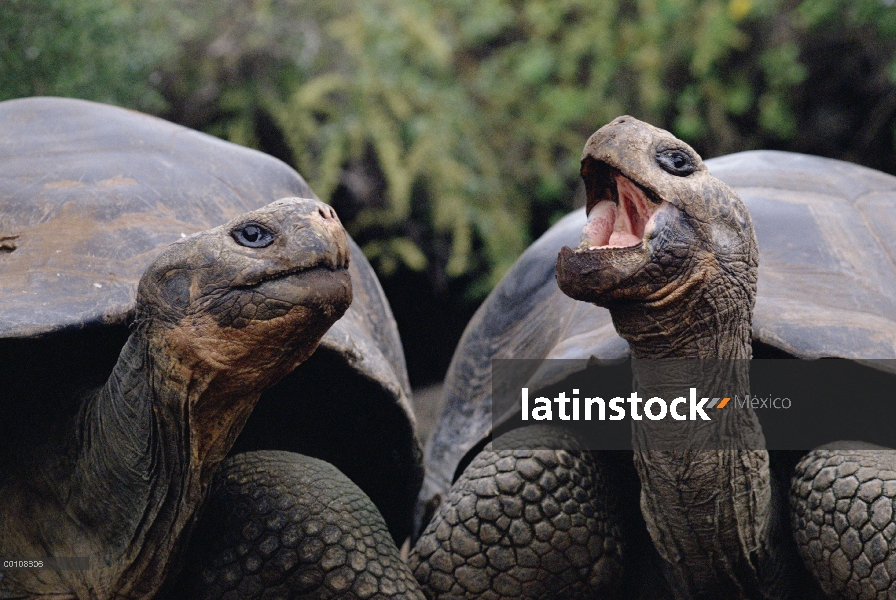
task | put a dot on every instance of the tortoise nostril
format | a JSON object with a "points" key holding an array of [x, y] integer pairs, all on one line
{"points": [[327, 213]]}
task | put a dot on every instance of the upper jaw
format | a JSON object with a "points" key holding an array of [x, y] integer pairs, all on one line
{"points": [[333, 260], [621, 213]]}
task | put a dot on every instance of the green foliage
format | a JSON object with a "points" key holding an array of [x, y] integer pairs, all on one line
{"points": [[80, 48], [448, 133]]}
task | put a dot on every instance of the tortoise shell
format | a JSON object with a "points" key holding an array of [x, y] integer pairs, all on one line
{"points": [[827, 288], [90, 194]]}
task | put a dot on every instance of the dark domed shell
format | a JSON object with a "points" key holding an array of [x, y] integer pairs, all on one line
{"points": [[827, 252], [827, 288], [90, 194]]}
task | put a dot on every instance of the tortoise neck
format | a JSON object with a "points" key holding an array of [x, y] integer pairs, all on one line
{"points": [[713, 323], [132, 470], [711, 548], [139, 474]]}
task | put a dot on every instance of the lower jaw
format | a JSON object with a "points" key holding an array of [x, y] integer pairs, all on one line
{"points": [[318, 289], [593, 275], [329, 291]]}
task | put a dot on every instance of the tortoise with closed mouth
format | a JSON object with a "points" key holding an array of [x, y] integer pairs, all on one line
{"points": [[161, 317]]}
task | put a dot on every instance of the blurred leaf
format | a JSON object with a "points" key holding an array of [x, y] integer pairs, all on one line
{"points": [[775, 116], [390, 253]]}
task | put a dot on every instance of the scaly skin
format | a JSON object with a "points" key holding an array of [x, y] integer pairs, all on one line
{"points": [[279, 524], [530, 522], [842, 510], [217, 322], [694, 238], [687, 291]]}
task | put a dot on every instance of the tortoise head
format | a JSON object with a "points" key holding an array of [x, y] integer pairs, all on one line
{"points": [[668, 248], [658, 222], [241, 305]]}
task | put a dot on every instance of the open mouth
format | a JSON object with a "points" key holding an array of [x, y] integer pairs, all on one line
{"points": [[622, 219], [620, 212]]}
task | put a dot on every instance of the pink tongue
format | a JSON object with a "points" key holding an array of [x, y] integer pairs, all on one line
{"points": [[623, 239]]}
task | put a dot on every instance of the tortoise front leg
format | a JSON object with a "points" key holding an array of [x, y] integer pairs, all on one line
{"points": [[529, 522], [283, 525], [844, 520]]}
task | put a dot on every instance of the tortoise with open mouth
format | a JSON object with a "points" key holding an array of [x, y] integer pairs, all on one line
{"points": [[665, 259]]}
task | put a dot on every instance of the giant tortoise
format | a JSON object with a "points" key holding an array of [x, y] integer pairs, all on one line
{"points": [[90, 196], [671, 250]]}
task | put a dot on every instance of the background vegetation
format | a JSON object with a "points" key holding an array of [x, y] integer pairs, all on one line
{"points": [[447, 133]]}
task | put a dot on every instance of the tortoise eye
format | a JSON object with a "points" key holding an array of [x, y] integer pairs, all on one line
{"points": [[676, 162], [252, 235]]}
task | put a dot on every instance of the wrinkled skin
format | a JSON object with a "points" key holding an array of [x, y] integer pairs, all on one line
{"points": [[671, 252], [656, 247], [221, 315], [280, 524], [700, 239]]}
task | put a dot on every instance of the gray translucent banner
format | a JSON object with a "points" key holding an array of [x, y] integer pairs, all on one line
{"points": [[773, 404]]}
